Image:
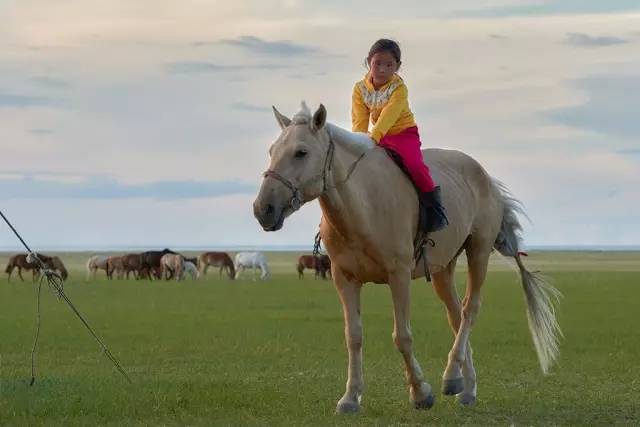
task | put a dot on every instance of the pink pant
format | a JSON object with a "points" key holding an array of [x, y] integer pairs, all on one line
{"points": [[407, 145]]}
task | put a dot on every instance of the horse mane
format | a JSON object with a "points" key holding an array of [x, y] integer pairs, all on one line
{"points": [[302, 117]]}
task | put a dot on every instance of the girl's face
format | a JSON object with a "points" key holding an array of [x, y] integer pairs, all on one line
{"points": [[383, 65]]}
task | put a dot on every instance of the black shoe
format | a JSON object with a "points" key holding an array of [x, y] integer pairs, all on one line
{"points": [[433, 216]]}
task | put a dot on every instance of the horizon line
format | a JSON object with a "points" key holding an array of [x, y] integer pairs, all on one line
{"points": [[282, 248]]}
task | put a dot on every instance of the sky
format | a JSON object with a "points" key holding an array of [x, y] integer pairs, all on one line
{"points": [[147, 123]]}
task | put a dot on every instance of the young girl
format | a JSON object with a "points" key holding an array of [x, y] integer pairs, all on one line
{"points": [[382, 97]]}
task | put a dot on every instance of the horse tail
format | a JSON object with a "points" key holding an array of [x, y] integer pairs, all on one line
{"points": [[264, 267], [9, 268], [60, 266], [230, 266], [236, 265], [89, 266], [540, 295]]}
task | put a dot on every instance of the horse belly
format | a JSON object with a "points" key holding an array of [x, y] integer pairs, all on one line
{"points": [[360, 267]]}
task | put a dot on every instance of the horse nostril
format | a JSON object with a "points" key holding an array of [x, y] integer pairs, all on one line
{"points": [[270, 209]]}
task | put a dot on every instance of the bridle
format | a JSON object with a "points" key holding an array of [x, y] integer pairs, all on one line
{"points": [[297, 199]]}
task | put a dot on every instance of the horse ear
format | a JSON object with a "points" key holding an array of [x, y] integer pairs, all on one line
{"points": [[319, 118], [282, 120]]}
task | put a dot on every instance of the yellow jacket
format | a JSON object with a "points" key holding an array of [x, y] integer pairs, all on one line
{"points": [[387, 108]]}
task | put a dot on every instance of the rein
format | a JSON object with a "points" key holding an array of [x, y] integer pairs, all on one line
{"points": [[297, 199]]}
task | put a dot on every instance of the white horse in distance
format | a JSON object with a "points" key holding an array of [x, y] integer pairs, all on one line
{"points": [[95, 263], [191, 269], [252, 260]]}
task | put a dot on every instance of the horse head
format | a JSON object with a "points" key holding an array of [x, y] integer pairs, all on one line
{"points": [[298, 168]]}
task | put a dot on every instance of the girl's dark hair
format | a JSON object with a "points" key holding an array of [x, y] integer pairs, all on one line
{"points": [[385, 45]]}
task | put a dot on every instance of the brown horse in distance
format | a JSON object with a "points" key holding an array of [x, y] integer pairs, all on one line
{"points": [[216, 259], [319, 263], [132, 263], [20, 262], [323, 266], [114, 265], [56, 264], [151, 262]]}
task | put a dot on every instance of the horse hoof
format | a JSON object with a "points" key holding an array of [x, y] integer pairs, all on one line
{"points": [[452, 387], [466, 399], [347, 407], [426, 403]]}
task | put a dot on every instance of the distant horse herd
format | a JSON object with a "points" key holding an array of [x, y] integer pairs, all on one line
{"points": [[167, 264]]}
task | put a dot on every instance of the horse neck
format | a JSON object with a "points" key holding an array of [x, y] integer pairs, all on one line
{"points": [[350, 197]]}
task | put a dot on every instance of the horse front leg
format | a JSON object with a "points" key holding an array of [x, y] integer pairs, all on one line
{"points": [[349, 292], [420, 392]]}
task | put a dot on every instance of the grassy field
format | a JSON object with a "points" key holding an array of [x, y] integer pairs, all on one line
{"points": [[216, 352]]}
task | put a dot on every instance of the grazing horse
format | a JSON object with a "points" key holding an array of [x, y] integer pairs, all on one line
{"points": [[56, 264], [191, 269], [369, 221], [172, 265], [216, 259], [252, 260], [21, 262], [95, 263], [115, 265], [132, 263], [151, 262], [323, 266], [308, 261]]}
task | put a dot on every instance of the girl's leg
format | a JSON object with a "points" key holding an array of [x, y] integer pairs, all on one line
{"points": [[407, 145]]}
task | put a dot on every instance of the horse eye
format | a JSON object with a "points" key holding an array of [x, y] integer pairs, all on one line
{"points": [[300, 154]]}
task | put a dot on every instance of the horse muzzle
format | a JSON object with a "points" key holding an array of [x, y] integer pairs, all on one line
{"points": [[270, 217]]}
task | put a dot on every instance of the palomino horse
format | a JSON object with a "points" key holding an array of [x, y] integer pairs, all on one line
{"points": [[370, 217], [172, 265], [21, 262], [216, 259], [54, 263], [319, 263], [252, 260], [95, 263]]}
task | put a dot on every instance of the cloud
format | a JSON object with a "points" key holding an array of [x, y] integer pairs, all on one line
{"points": [[611, 108], [206, 67], [550, 7], [242, 106], [631, 152], [276, 48], [100, 187], [27, 101], [498, 37], [41, 131], [585, 40], [50, 82]]}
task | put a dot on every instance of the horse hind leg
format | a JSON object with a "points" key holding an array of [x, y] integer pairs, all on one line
{"points": [[460, 357], [444, 285]]}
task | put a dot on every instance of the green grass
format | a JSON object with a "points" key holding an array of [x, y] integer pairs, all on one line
{"points": [[217, 352]]}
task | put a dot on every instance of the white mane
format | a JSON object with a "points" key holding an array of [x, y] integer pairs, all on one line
{"points": [[303, 116], [355, 142]]}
